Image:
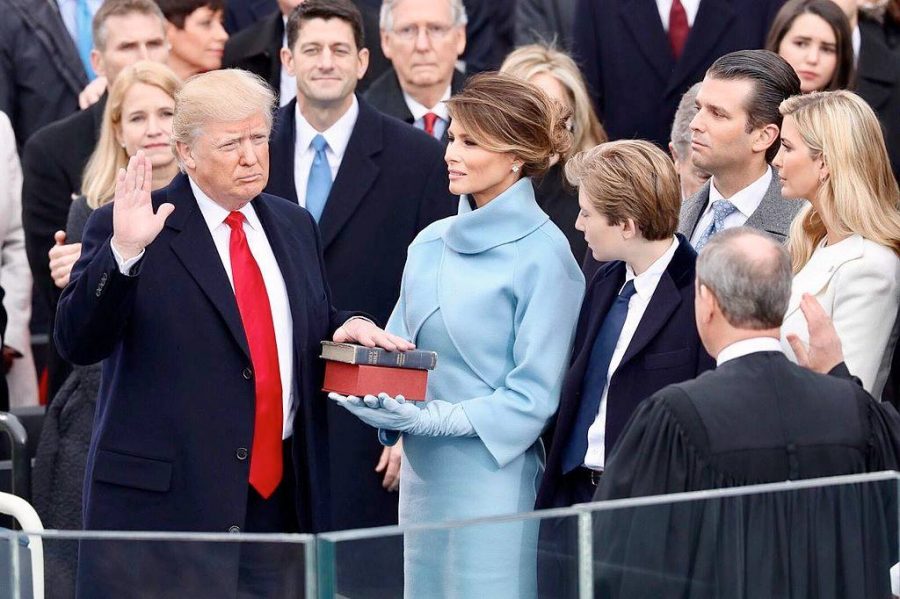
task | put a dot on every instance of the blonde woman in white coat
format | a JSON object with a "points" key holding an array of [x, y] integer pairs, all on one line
{"points": [[15, 276], [845, 244]]}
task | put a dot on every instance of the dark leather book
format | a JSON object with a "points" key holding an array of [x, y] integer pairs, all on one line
{"points": [[350, 353]]}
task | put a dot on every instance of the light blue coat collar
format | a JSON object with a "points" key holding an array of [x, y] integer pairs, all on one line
{"points": [[510, 216]]}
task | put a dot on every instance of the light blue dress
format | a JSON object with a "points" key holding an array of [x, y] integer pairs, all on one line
{"points": [[496, 292]]}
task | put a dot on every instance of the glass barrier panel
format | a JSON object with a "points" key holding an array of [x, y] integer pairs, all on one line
{"points": [[14, 575], [496, 557], [161, 565], [823, 538]]}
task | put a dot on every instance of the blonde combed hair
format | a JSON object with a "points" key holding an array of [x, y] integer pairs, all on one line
{"points": [[223, 96], [534, 59], [99, 180], [860, 195], [630, 178]]}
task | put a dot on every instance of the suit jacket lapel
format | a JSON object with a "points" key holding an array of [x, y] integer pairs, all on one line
{"points": [[356, 174], [281, 163], [665, 300], [394, 102], [709, 26], [663, 303], [46, 21], [814, 280], [762, 217], [273, 35], [642, 20], [194, 247], [286, 248], [604, 289], [693, 209]]}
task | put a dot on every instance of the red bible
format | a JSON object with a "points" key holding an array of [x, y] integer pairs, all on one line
{"points": [[361, 379]]}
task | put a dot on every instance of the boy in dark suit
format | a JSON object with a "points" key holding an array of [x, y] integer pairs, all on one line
{"points": [[636, 332], [635, 335]]}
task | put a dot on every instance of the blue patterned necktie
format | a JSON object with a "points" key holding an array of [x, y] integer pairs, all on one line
{"points": [[319, 183], [721, 210], [84, 35], [595, 378]]}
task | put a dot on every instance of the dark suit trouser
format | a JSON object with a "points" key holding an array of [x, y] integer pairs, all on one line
{"points": [[558, 540], [272, 569]]}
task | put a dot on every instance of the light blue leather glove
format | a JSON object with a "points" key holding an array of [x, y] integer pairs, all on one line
{"points": [[435, 419]]}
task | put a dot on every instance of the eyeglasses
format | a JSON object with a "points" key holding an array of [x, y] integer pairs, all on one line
{"points": [[411, 32]]}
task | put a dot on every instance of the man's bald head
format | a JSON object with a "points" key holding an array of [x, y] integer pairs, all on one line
{"points": [[749, 273]]}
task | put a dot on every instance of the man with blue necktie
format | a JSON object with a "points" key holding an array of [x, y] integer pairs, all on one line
{"points": [[372, 183], [734, 137], [636, 332]]}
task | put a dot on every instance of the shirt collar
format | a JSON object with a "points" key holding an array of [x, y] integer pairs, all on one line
{"points": [[856, 42], [646, 282], [510, 216], [746, 200], [419, 110], [215, 215], [744, 347], [337, 136]]}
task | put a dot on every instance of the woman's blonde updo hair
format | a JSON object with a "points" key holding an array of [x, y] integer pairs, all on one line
{"points": [[505, 114], [99, 179], [860, 193], [536, 59]]}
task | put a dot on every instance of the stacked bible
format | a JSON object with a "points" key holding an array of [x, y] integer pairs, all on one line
{"points": [[357, 370]]}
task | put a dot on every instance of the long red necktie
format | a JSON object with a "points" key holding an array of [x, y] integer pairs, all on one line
{"points": [[256, 315], [429, 119], [678, 28]]}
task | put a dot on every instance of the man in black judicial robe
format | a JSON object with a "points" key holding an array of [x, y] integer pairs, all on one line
{"points": [[756, 418]]}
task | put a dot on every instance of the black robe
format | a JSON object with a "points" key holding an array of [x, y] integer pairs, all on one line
{"points": [[756, 419]]}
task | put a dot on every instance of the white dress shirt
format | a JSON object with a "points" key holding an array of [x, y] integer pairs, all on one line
{"points": [[337, 136], [420, 110], [665, 7], [741, 348], [856, 42], [287, 89], [746, 201], [215, 215], [645, 285]]}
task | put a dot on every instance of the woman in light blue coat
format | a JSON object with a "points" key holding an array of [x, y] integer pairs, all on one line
{"points": [[495, 292]]}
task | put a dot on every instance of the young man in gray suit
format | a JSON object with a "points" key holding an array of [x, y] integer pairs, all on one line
{"points": [[735, 135]]}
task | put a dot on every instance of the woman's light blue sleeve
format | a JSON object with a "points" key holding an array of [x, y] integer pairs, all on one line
{"points": [[548, 293]]}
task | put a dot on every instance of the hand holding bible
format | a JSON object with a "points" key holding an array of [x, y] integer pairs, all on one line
{"points": [[435, 418]]}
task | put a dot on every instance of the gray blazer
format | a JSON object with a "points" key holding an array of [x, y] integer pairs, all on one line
{"points": [[774, 214]]}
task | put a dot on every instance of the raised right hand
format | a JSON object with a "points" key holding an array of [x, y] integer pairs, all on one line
{"points": [[135, 225], [824, 351], [63, 257]]}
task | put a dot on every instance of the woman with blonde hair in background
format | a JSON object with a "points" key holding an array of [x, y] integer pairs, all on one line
{"points": [[557, 74], [138, 117], [845, 245]]}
